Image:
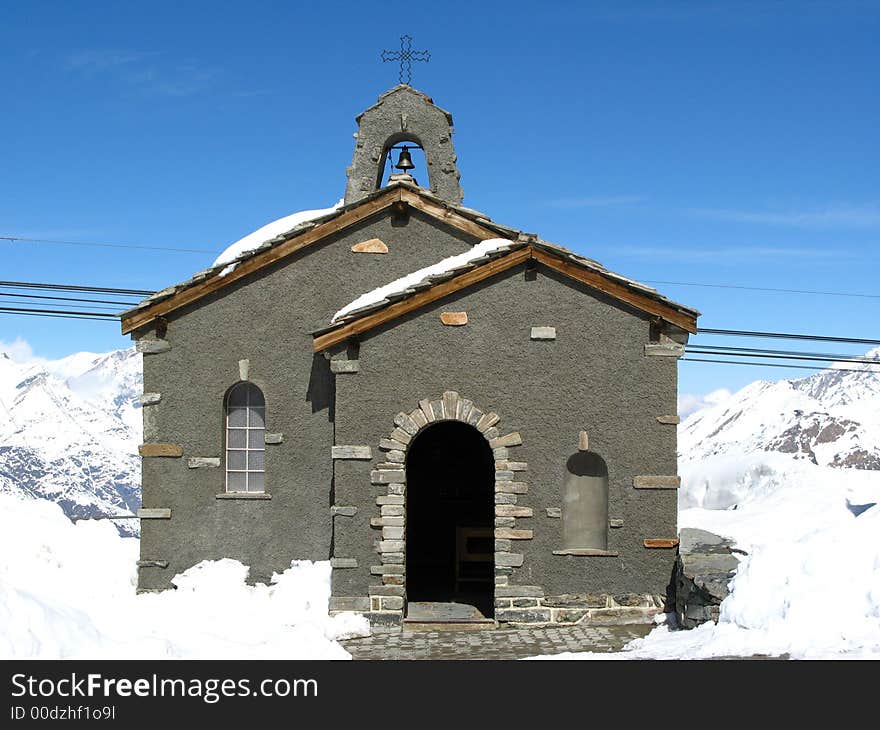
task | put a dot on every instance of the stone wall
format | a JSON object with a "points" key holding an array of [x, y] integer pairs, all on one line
{"points": [[703, 570]]}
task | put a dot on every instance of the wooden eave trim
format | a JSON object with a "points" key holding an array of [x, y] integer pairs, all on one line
{"points": [[398, 309], [571, 270], [307, 238], [616, 290]]}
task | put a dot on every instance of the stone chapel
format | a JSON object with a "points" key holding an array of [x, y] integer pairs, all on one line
{"points": [[472, 424]]}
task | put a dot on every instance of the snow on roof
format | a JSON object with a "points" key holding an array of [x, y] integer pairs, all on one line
{"points": [[269, 231], [441, 267]]}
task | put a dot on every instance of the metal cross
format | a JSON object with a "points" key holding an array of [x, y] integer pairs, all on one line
{"points": [[406, 55]]}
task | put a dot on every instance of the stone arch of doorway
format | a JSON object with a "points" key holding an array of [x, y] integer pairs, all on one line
{"points": [[511, 520]]}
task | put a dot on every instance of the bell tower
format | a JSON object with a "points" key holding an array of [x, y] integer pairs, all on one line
{"points": [[404, 115]]}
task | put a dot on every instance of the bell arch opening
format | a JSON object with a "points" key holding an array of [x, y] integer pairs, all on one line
{"points": [[450, 475], [393, 155]]}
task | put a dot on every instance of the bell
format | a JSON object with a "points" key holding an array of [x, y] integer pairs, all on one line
{"points": [[404, 162]]}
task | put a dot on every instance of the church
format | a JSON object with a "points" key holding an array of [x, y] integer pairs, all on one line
{"points": [[473, 425]]}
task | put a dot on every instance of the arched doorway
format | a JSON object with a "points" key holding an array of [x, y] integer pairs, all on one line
{"points": [[450, 476]]}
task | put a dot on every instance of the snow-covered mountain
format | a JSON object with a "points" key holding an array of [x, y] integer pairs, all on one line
{"points": [[830, 419], [69, 431]]}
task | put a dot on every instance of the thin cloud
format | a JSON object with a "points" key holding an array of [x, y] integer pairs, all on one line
{"points": [[597, 201], [689, 403], [844, 216], [142, 72]]}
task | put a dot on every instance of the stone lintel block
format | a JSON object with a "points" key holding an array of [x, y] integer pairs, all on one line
{"points": [[391, 558], [503, 546], [244, 369], [340, 367], [511, 466], [359, 604], [351, 452], [509, 560], [454, 319], [406, 423], [583, 441], [510, 439], [384, 590], [391, 546], [448, 403], [664, 350], [505, 521], [504, 476], [504, 498], [386, 569], [392, 533], [578, 600], [426, 408], [512, 510], [150, 399], [669, 420], [371, 245], [171, 450], [391, 510], [391, 445], [474, 416], [343, 563], [384, 499], [388, 476], [661, 542], [200, 462], [510, 591], [152, 347], [418, 418], [386, 521], [401, 436], [588, 552], [543, 333], [487, 420], [554, 513], [154, 513], [243, 495], [274, 438], [512, 487], [343, 510], [510, 534], [653, 481], [615, 522], [524, 615], [152, 564]]}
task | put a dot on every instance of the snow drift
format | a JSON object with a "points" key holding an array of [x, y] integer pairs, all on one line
{"points": [[68, 591]]}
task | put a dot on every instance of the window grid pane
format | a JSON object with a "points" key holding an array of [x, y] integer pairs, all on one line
{"points": [[245, 439]]}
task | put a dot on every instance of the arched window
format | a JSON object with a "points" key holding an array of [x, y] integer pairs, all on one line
{"points": [[585, 510], [245, 439]]}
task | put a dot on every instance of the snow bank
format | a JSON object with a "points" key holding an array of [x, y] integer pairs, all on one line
{"points": [[67, 591], [399, 285], [269, 231]]}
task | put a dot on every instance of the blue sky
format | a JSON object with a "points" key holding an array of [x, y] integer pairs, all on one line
{"points": [[731, 143]]}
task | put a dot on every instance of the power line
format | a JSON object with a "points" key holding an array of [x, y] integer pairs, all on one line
{"points": [[787, 336], [66, 299], [74, 287], [764, 288], [54, 316], [748, 350], [59, 312], [13, 239], [116, 309], [779, 365], [758, 353]]}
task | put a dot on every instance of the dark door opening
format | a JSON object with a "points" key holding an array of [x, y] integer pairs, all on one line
{"points": [[450, 518]]}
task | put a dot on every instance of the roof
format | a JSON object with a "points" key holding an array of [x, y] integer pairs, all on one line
{"points": [[524, 246]]}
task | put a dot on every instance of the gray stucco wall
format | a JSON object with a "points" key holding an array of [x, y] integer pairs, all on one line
{"points": [[594, 376], [266, 319]]}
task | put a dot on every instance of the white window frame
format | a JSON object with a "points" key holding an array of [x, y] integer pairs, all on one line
{"points": [[247, 429]]}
